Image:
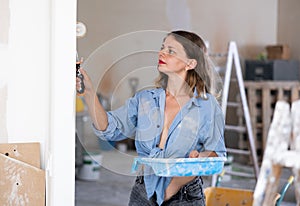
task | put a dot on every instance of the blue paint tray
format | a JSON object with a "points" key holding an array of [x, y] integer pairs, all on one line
{"points": [[181, 166]]}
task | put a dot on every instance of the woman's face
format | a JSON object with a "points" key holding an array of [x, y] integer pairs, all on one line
{"points": [[172, 57]]}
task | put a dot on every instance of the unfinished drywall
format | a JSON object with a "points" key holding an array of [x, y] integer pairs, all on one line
{"points": [[21, 183]]}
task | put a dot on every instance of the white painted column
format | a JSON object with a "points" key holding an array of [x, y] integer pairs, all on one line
{"points": [[61, 142]]}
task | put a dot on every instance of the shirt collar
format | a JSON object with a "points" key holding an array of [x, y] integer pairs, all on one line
{"points": [[156, 92], [195, 100]]}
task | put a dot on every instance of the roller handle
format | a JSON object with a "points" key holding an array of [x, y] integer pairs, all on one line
{"points": [[80, 76]]}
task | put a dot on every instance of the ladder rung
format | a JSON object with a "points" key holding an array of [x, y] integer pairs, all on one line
{"points": [[235, 128], [231, 80], [240, 174], [238, 151], [233, 104]]}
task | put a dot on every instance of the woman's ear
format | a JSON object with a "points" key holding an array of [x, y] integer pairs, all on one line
{"points": [[191, 64]]}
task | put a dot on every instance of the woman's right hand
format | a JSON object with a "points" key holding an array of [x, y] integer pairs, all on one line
{"points": [[87, 82], [96, 110]]}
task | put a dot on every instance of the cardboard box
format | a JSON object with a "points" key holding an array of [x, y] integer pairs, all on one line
{"points": [[22, 182], [278, 52]]}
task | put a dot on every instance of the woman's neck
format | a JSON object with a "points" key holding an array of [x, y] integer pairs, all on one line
{"points": [[177, 88]]}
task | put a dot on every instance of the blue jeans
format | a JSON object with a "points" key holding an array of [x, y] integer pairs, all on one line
{"points": [[189, 195]]}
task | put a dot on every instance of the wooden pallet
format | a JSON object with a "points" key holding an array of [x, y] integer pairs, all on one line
{"points": [[262, 97]]}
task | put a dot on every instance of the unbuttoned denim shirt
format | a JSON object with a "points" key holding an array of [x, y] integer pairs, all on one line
{"points": [[199, 125]]}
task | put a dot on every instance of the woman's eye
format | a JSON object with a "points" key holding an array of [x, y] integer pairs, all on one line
{"points": [[170, 51]]}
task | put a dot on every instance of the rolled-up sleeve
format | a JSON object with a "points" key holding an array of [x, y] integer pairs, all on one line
{"points": [[110, 133], [215, 138], [121, 122]]}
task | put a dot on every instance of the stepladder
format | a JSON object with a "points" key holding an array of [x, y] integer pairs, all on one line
{"points": [[282, 150], [233, 61]]}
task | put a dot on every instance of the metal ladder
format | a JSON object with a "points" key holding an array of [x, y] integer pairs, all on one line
{"points": [[233, 57]]}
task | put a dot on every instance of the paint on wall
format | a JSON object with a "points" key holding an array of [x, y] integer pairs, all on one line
{"points": [[3, 100], [4, 21]]}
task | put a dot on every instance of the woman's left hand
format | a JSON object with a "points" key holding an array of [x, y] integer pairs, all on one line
{"points": [[196, 154]]}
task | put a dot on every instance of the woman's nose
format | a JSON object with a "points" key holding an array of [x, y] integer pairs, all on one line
{"points": [[161, 52]]}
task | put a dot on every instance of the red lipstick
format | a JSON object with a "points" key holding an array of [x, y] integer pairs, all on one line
{"points": [[161, 62]]}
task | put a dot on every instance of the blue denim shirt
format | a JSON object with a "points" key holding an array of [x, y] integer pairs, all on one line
{"points": [[199, 125]]}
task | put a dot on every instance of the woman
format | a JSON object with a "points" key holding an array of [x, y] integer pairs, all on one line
{"points": [[180, 118]]}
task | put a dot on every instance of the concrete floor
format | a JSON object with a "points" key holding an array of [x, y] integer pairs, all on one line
{"points": [[111, 190], [113, 186]]}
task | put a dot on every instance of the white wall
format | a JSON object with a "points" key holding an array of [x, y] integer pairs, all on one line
{"points": [[252, 24], [37, 86]]}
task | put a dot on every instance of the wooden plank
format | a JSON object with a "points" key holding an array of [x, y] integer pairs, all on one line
{"points": [[25, 152], [266, 115], [297, 184], [253, 112], [272, 185], [295, 143], [280, 94], [272, 84], [295, 94], [20, 183]]}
